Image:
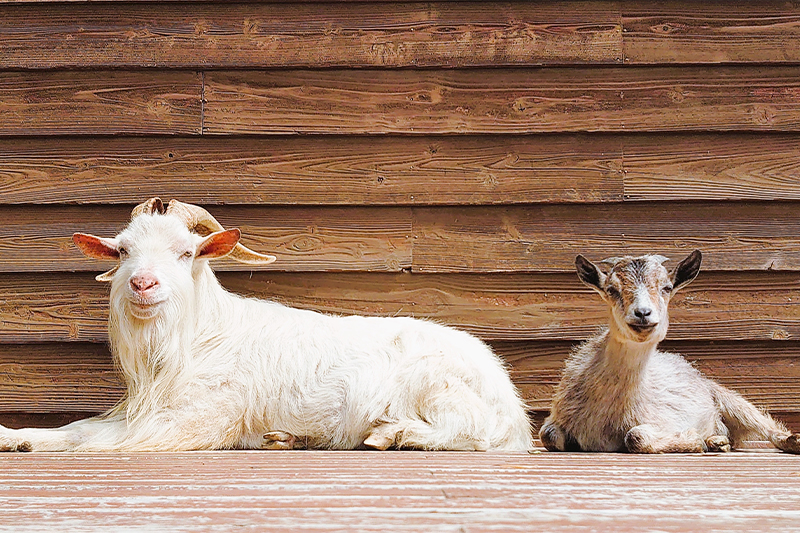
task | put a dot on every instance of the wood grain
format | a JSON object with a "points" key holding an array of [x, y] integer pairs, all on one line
{"points": [[58, 378], [711, 32], [247, 35], [766, 373], [34, 238], [91, 102], [503, 100], [733, 236], [410, 491], [717, 306], [393, 170], [313, 170], [80, 377], [711, 167]]}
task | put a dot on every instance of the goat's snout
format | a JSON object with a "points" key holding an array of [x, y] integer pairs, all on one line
{"points": [[642, 313], [143, 283]]}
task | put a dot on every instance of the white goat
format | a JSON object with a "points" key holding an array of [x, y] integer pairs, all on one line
{"points": [[207, 369], [619, 393]]}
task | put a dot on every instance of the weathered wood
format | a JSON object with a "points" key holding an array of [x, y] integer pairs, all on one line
{"points": [[313, 170], [23, 419], [334, 170], [80, 377], [503, 100], [82, 102], [766, 373], [733, 236], [733, 305], [58, 378], [736, 31], [409, 491], [711, 167], [244, 35], [304, 239]]}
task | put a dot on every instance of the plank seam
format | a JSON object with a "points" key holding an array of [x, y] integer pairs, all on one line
{"points": [[202, 102]]}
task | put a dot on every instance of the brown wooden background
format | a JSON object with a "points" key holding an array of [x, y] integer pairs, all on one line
{"points": [[435, 159]]}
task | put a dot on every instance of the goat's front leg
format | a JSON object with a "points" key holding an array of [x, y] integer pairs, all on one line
{"points": [[88, 434], [647, 438], [280, 440], [556, 439]]}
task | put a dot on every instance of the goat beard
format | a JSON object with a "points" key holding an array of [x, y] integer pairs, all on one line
{"points": [[152, 354]]}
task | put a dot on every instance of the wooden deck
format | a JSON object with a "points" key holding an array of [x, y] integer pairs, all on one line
{"points": [[399, 491]]}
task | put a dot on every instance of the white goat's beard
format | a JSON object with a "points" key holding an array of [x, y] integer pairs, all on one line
{"points": [[151, 352]]}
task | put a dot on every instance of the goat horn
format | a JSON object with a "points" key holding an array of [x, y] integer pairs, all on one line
{"points": [[199, 220], [151, 206]]}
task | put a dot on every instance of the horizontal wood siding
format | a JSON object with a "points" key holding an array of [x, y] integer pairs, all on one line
{"points": [[444, 160]]}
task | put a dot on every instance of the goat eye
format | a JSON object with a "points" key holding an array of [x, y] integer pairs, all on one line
{"points": [[123, 252], [188, 255], [614, 293], [667, 289]]}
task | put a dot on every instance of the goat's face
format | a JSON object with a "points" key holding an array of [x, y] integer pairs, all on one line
{"points": [[638, 290], [157, 258]]}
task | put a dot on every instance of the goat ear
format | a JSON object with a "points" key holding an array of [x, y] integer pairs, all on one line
{"points": [[589, 274], [218, 244], [687, 270], [96, 247]]}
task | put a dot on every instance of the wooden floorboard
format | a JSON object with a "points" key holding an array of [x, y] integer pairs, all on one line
{"points": [[399, 491]]}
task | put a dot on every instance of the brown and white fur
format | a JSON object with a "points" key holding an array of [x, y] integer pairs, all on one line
{"points": [[620, 393], [207, 369]]}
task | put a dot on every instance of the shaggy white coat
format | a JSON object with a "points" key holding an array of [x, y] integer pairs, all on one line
{"points": [[207, 369]]}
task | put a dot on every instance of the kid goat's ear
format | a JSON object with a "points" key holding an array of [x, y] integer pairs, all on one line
{"points": [[218, 244], [589, 273], [96, 247], [687, 270]]}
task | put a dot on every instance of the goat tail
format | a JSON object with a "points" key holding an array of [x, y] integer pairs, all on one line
{"points": [[745, 421]]}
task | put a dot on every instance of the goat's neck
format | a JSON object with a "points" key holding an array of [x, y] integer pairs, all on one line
{"points": [[622, 357]]}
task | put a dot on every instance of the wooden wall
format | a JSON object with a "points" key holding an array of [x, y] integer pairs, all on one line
{"points": [[435, 159]]}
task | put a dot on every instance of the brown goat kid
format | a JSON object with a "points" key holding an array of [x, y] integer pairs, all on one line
{"points": [[620, 393]]}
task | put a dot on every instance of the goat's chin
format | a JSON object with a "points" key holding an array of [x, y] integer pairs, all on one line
{"points": [[143, 311], [645, 333]]}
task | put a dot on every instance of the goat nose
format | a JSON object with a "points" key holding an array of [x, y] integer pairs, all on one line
{"points": [[143, 283], [642, 312]]}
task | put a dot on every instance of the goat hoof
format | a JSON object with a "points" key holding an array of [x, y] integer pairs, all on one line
{"points": [[278, 440], [636, 441], [718, 443], [378, 442], [14, 444], [791, 444]]}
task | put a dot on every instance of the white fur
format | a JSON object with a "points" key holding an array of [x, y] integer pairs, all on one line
{"points": [[207, 369]]}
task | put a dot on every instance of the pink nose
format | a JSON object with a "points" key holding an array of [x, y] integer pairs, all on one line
{"points": [[143, 283]]}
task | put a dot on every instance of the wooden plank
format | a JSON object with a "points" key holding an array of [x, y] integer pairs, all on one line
{"points": [[313, 170], [245, 35], [78, 377], [733, 306], [711, 32], [733, 236], [39, 239], [110, 102], [502, 100], [58, 378], [355, 170], [766, 373], [411, 491], [24, 419], [711, 167]]}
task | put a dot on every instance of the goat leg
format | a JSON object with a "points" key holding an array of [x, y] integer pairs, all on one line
{"points": [[278, 440]]}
